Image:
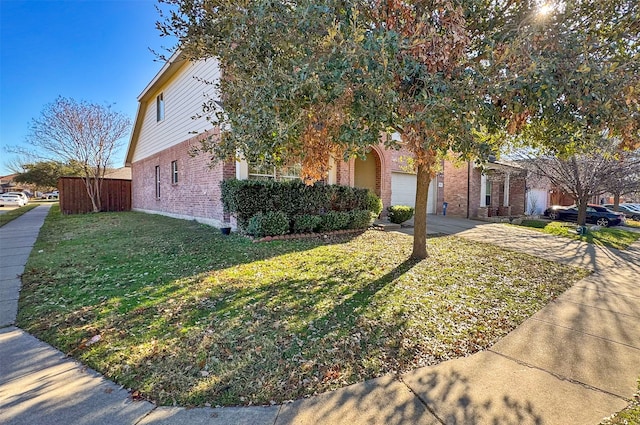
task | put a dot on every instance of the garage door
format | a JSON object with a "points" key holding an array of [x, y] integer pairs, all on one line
{"points": [[536, 201], [403, 191]]}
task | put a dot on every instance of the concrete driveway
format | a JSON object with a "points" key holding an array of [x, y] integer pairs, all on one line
{"points": [[522, 239]]}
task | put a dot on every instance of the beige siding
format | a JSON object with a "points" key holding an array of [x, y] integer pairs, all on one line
{"points": [[183, 96]]}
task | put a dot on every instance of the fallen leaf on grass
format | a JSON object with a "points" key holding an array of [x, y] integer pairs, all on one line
{"points": [[85, 344]]}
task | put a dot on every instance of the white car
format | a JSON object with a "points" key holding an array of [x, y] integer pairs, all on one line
{"points": [[7, 199], [51, 195], [24, 197]]}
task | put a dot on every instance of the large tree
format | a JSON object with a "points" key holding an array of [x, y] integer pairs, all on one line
{"points": [[579, 96], [305, 80], [45, 174], [81, 133]]}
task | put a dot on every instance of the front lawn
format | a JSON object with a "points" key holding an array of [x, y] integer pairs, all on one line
{"points": [[182, 314], [612, 237]]}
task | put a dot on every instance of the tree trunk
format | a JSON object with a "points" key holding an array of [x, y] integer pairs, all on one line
{"points": [[582, 211], [616, 202], [89, 183], [420, 219]]}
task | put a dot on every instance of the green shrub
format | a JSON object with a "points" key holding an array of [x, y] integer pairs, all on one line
{"points": [[246, 198], [272, 223], [399, 213], [335, 220], [373, 203], [360, 219], [306, 223]]}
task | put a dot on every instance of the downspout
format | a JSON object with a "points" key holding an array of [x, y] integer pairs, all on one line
{"points": [[468, 188]]}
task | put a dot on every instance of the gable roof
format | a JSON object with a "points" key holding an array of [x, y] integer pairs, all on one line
{"points": [[166, 72]]}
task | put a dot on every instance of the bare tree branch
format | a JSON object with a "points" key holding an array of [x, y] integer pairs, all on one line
{"points": [[87, 133]]}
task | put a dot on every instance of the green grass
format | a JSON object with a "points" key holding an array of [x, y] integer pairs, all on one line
{"points": [[188, 316], [632, 223], [612, 237], [13, 214]]}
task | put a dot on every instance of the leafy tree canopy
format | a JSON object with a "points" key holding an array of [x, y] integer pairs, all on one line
{"points": [[45, 174], [305, 79]]}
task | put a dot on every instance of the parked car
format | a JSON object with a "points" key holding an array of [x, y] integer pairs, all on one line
{"points": [[595, 214], [7, 199], [24, 197], [50, 195], [553, 212], [627, 210]]}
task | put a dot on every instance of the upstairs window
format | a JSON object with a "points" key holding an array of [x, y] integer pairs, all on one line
{"points": [[160, 107], [174, 172]]}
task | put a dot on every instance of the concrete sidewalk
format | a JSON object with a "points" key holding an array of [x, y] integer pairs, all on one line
{"points": [[574, 362], [16, 241]]}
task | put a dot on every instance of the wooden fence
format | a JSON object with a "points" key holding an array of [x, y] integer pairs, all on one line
{"points": [[115, 196]]}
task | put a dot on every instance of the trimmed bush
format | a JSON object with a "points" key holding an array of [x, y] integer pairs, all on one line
{"points": [[360, 219], [272, 223], [335, 220], [399, 213], [373, 204], [306, 223], [246, 198]]}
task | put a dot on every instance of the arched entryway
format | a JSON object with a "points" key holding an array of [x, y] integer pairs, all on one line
{"points": [[367, 172]]}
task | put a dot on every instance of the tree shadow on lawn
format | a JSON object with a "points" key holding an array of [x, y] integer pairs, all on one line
{"points": [[258, 350], [88, 266]]}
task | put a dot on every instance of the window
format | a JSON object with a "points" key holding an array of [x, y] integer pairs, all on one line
{"points": [[268, 172], [157, 182], [160, 107], [487, 196], [174, 172]]}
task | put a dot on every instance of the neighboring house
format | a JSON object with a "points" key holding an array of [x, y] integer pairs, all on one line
{"points": [[7, 184], [498, 191], [122, 173], [168, 180]]}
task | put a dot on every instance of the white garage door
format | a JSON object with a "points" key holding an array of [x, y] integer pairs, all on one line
{"points": [[536, 201], [403, 191]]}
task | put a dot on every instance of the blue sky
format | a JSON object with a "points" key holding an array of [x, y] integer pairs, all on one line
{"points": [[93, 50]]}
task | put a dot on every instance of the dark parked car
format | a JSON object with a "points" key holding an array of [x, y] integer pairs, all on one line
{"points": [[627, 210], [595, 214]]}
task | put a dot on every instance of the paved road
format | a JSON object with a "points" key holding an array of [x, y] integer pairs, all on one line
{"points": [[574, 362]]}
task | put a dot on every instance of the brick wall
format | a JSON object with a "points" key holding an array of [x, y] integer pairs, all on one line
{"points": [[455, 188], [196, 195], [517, 195], [455, 178], [399, 160]]}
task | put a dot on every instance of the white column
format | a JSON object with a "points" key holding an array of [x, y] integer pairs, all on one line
{"points": [[505, 201], [332, 178], [242, 170], [483, 190]]}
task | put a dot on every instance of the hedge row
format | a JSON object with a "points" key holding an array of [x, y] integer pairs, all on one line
{"points": [[269, 208], [277, 223]]}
